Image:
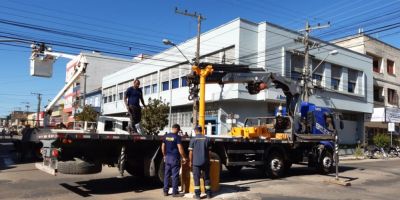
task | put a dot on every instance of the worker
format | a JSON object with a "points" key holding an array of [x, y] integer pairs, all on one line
{"points": [[199, 156], [281, 124], [132, 97], [172, 150]]}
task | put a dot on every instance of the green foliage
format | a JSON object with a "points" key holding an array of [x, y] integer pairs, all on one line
{"points": [[88, 114], [358, 153], [155, 116], [381, 140]]}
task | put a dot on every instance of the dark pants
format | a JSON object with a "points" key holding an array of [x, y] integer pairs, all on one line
{"points": [[135, 115], [196, 176], [172, 167]]}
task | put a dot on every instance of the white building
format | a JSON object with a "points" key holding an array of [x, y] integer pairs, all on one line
{"points": [[346, 78], [386, 79], [98, 66]]}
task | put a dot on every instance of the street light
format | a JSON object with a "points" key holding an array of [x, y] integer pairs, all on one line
{"points": [[170, 43], [333, 52]]}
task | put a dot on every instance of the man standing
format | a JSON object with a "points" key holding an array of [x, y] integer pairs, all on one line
{"points": [[172, 150], [132, 97], [199, 155]]}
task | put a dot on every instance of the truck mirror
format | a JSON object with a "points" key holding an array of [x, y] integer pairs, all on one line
{"points": [[341, 124]]}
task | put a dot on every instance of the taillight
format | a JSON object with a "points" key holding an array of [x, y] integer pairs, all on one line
{"points": [[55, 153]]}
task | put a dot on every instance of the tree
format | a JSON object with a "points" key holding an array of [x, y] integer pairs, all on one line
{"points": [[381, 140], [155, 116], [88, 114]]}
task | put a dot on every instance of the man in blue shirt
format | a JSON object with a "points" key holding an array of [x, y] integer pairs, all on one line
{"points": [[172, 150], [132, 97], [199, 156]]}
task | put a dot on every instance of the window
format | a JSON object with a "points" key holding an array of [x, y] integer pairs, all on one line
{"points": [[110, 98], [175, 83], [378, 94], [113, 97], [121, 95], [352, 80], [165, 85], [336, 76], [376, 63], [154, 88], [183, 81], [147, 89], [392, 96], [104, 99], [297, 64], [390, 67]]}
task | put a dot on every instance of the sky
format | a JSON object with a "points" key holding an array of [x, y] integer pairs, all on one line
{"points": [[135, 27]]}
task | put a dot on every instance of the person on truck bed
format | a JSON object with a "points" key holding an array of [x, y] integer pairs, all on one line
{"points": [[199, 156], [172, 150], [132, 97]]}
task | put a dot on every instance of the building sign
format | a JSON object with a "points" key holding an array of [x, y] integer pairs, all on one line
{"points": [[393, 115], [384, 115], [378, 115]]}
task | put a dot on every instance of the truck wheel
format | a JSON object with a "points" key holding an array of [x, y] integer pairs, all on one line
{"points": [[275, 165], [78, 166], [234, 170], [325, 165], [161, 171]]}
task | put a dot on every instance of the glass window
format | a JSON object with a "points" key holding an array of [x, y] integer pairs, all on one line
{"points": [[147, 89], [110, 98], [154, 88], [335, 83], [351, 86], [392, 96], [175, 83], [121, 95], [378, 93], [390, 67], [113, 97], [105, 99], [165, 85], [352, 80], [183, 81]]}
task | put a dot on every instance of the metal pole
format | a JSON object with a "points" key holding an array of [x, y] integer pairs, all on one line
{"points": [[336, 156], [38, 108], [306, 70], [170, 108]]}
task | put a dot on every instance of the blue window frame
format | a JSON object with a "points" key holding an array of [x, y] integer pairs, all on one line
{"points": [[154, 88], [183, 81], [165, 85], [147, 89], [175, 83]]}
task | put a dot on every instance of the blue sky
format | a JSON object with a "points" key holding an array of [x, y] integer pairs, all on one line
{"points": [[146, 23]]}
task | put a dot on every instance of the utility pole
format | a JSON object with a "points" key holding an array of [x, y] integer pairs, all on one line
{"points": [[199, 18], [306, 70], [84, 90], [39, 96]]}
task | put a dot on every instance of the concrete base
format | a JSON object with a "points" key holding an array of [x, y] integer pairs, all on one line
{"points": [[338, 182], [45, 168]]}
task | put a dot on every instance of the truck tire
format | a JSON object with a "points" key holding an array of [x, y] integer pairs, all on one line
{"points": [[78, 166], [234, 170], [325, 165], [161, 171], [275, 165]]}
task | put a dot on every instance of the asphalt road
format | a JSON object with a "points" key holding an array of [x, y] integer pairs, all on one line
{"points": [[370, 179]]}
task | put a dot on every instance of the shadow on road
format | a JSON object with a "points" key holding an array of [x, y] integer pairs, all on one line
{"points": [[112, 186]]}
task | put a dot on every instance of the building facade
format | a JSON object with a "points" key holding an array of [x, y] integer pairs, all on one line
{"points": [[386, 79], [90, 83], [344, 79]]}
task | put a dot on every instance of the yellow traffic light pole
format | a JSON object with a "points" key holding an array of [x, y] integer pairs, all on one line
{"points": [[203, 73]]}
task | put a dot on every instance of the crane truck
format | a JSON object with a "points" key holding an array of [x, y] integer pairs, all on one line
{"points": [[300, 133]]}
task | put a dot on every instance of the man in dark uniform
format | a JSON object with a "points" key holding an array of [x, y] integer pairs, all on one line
{"points": [[132, 97], [172, 150], [199, 155]]}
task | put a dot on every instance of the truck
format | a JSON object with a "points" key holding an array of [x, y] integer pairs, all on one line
{"points": [[306, 135]]}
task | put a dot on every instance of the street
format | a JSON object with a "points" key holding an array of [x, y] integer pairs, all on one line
{"points": [[370, 179]]}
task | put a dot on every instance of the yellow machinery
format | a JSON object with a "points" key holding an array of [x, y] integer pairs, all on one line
{"points": [[202, 73]]}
